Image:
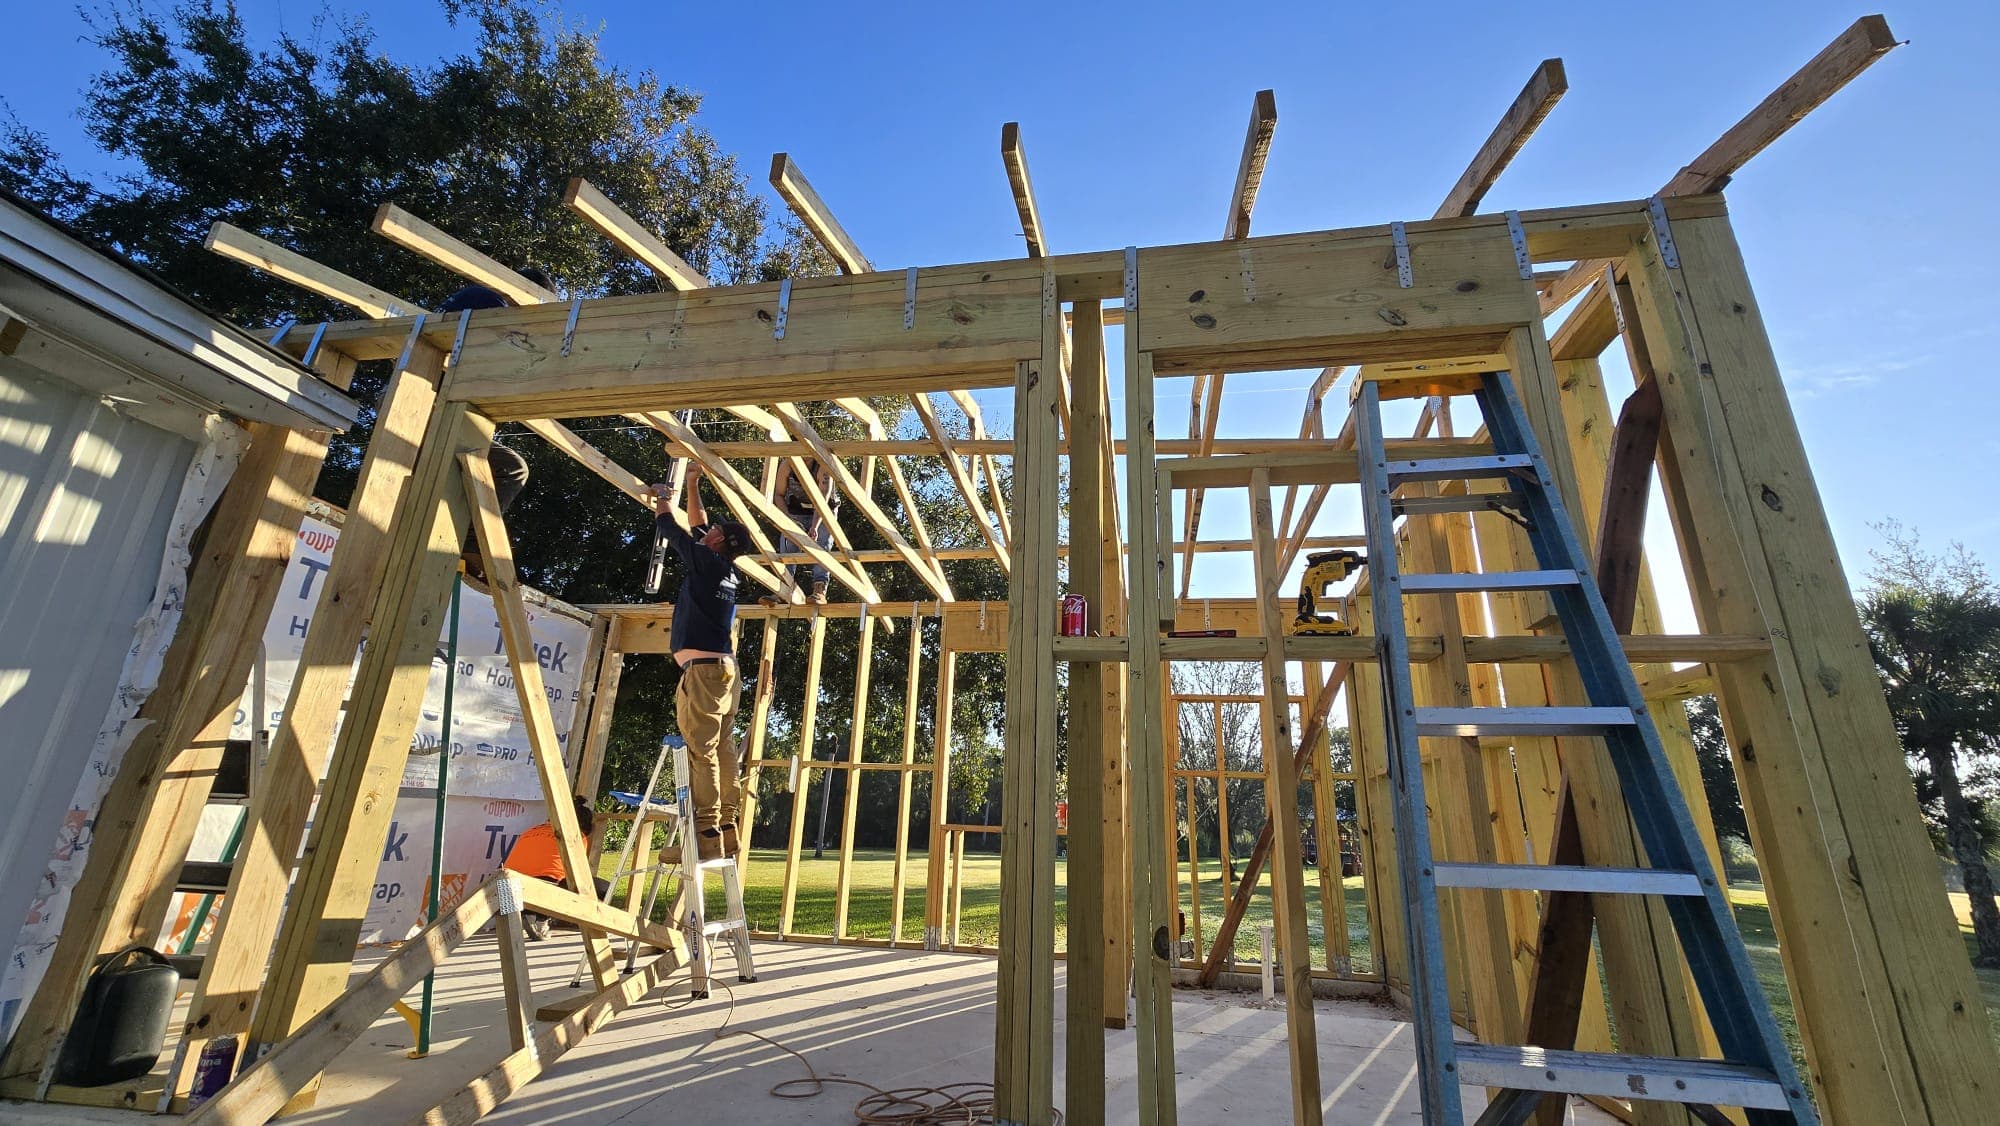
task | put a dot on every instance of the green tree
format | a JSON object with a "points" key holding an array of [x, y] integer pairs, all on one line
{"points": [[1933, 624], [1718, 774], [300, 139]]}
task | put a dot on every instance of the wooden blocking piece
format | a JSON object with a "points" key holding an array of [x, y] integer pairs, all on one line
{"points": [[323, 916], [1024, 1060], [1281, 788]]}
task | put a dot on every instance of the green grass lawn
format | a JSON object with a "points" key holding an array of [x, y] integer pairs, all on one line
{"points": [[1753, 919], [869, 900]]}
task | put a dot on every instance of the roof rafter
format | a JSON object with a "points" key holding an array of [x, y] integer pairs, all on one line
{"points": [[1205, 399]]}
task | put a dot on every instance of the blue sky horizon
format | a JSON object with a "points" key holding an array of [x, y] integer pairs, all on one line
{"points": [[1862, 228]]}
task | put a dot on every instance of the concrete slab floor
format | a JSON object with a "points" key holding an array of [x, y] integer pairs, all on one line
{"points": [[890, 1018]]}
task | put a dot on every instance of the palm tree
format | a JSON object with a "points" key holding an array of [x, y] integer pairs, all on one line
{"points": [[1933, 624]]}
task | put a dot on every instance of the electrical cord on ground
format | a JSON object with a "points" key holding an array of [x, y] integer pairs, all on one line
{"points": [[953, 1104]]}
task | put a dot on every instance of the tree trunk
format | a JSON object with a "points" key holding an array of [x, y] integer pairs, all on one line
{"points": [[1968, 848]]}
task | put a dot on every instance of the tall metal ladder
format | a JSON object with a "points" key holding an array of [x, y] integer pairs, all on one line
{"points": [[1756, 1072], [692, 909]]}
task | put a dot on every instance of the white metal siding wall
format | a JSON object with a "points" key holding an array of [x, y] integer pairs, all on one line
{"points": [[86, 498]]}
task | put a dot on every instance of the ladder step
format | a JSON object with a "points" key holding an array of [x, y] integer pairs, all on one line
{"points": [[1454, 582], [1521, 721], [1564, 877], [720, 862], [1657, 1078], [210, 876], [723, 927], [1458, 468], [1458, 502]]}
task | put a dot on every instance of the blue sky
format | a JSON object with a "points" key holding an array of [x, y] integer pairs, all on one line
{"points": [[1868, 229]]}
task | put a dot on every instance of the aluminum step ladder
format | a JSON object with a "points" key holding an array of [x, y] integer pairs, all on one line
{"points": [[1757, 1072], [691, 910]]}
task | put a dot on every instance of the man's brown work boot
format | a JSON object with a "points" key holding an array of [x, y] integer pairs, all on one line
{"points": [[708, 844], [731, 844], [819, 593]]}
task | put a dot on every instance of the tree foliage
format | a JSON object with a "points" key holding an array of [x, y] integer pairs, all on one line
{"points": [[300, 139], [1933, 624]]}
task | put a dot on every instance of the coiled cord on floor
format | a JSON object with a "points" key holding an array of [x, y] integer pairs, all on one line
{"points": [[953, 1104]]}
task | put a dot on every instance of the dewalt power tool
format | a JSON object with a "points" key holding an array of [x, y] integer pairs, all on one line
{"points": [[1323, 569]]}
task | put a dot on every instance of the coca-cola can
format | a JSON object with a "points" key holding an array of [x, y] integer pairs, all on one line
{"points": [[1075, 616]]}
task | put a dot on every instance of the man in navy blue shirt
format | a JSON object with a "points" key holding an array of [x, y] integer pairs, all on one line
{"points": [[701, 643]]}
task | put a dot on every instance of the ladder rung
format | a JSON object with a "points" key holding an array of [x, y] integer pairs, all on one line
{"points": [[1565, 877], [208, 876], [723, 927], [1458, 468], [1457, 582], [1658, 1078], [1521, 721], [1459, 502], [719, 862]]}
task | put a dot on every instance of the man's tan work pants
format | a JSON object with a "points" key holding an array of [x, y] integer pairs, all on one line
{"points": [[705, 708]]}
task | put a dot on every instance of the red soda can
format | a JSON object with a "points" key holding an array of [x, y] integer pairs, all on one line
{"points": [[1075, 616]]}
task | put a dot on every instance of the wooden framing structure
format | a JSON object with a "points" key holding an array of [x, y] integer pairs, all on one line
{"points": [[1888, 1010]]}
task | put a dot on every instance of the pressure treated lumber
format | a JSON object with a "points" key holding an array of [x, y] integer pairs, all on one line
{"points": [[631, 237], [1889, 1013], [1205, 398], [857, 729], [240, 947], [323, 916], [412, 233], [1083, 1056], [529, 692], [1544, 89], [1024, 1059], [814, 213], [1281, 789], [239, 245]]}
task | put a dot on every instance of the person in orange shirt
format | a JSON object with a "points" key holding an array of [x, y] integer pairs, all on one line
{"points": [[538, 853]]}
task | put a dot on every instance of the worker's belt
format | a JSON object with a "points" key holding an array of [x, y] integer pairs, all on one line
{"points": [[710, 661]]}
